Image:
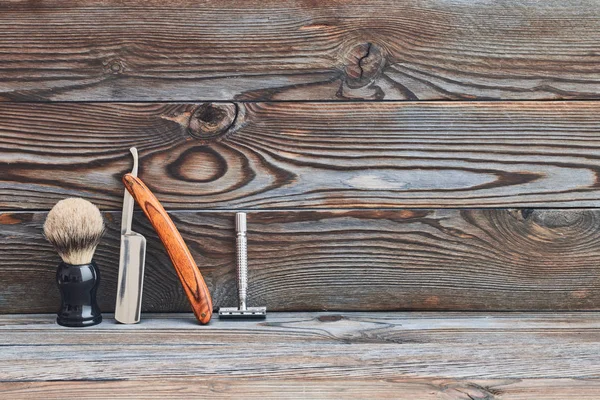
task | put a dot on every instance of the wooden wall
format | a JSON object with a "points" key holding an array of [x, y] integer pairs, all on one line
{"points": [[392, 155]]}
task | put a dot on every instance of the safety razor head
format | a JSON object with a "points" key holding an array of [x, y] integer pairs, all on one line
{"points": [[236, 313]]}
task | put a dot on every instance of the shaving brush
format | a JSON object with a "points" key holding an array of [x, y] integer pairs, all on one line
{"points": [[74, 227]]}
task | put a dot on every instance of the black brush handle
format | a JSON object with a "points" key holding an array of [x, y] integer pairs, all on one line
{"points": [[78, 285]]}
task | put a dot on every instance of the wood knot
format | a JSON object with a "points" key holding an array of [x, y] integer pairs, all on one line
{"points": [[468, 391], [211, 120], [521, 214], [330, 318], [114, 66], [526, 212], [363, 64], [552, 218]]}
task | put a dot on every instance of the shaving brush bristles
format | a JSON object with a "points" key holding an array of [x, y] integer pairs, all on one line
{"points": [[74, 227]]}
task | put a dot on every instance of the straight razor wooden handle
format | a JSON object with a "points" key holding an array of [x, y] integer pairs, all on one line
{"points": [[189, 275]]}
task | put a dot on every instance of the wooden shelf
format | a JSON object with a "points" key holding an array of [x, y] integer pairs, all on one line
{"points": [[326, 355]]}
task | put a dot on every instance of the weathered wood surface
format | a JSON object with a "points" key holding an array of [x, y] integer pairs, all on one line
{"points": [[298, 50], [479, 354], [335, 389], [304, 155], [341, 260]]}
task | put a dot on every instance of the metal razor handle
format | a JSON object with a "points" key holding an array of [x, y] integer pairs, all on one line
{"points": [[242, 258]]}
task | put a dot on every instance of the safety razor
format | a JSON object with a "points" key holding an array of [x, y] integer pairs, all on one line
{"points": [[242, 274]]}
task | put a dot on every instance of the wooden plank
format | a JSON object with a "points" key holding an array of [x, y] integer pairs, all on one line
{"points": [[335, 389], [304, 155], [298, 50], [311, 346], [341, 260]]}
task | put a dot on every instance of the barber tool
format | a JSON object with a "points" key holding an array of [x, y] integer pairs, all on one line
{"points": [[242, 273], [189, 275], [131, 262], [74, 227]]}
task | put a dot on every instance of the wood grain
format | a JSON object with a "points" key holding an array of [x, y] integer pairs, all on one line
{"points": [[298, 50], [470, 348], [336, 388], [191, 278], [534, 259], [304, 155]]}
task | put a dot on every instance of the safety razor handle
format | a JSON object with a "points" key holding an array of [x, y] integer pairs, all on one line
{"points": [[242, 258], [187, 270]]}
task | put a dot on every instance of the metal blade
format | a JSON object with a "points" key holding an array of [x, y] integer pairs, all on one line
{"points": [[236, 313], [131, 278], [131, 262]]}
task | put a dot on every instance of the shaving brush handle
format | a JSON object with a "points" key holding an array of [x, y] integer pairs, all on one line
{"points": [[78, 285]]}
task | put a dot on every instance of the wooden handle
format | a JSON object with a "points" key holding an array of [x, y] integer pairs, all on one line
{"points": [[189, 275]]}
